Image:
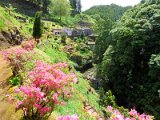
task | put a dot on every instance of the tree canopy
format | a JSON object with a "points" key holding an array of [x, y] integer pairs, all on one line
{"points": [[114, 12], [60, 8]]}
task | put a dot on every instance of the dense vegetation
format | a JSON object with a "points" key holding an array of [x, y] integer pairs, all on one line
{"points": [[45, 67], [113, 12], [130, 64]]}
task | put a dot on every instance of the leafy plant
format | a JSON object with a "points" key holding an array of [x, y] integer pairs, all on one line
{"points": [[107, 98], [15, 81]]}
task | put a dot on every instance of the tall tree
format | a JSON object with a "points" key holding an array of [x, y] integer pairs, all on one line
{"points": [[60, 8], [37, 27]]}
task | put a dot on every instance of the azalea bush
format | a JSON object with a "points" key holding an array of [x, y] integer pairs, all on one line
{"points": [[68, 117], [48, 86], [16, 56], [28, 45], [132, 115]]}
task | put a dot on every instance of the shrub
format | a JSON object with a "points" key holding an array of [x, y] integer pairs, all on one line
{"points": [[133, 115], [106, 98], [16, 56], [15, 81], [28, 45], [48, 84]]}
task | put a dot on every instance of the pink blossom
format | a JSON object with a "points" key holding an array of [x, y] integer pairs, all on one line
{"points": [[38, 106], [48, 82], [45, 110], [133, 113], [17, 90], [68, 117], [63, 103], [109, 108], [55, 97], [18, 104]]}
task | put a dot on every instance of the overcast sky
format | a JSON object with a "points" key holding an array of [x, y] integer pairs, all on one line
{"points": [[86, 4]]}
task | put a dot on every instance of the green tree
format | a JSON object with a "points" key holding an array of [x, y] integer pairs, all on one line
{"points": [[37, 27], [60, 8], [104, 39], [114, 12]]}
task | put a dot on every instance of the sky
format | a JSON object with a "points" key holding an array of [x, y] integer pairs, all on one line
{"points": [[86, 4]]}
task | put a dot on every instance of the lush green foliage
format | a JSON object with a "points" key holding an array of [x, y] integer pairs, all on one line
{"points": [[114, 12], [60, 8], [103, 39], [15, 81], [131, 62], [105, 17], [106, 98]]}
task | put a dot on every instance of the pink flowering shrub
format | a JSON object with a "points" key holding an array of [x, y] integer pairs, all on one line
{"points": [[48, 83], [28, 45], [12, 53], [68, 117], [15, 56], [134, 115]]}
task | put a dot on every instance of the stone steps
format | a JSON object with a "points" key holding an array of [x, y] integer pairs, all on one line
{"points": [[91, 111]]}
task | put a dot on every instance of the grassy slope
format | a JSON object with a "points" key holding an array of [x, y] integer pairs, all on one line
{"points": [[75, 104]]}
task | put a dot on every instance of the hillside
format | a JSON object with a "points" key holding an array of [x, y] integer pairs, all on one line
{"points": [[113, 11], [23, 7], [12, 30], [74, 105]]}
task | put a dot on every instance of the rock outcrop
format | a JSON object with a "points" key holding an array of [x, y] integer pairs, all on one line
{"points": [[10, 37]]}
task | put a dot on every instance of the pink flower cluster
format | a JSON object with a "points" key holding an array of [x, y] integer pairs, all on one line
{"points": [[28, 45], [15, 56], [68, 117], [13, 53], [50, 77], [134, 115], [48, 83]]}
